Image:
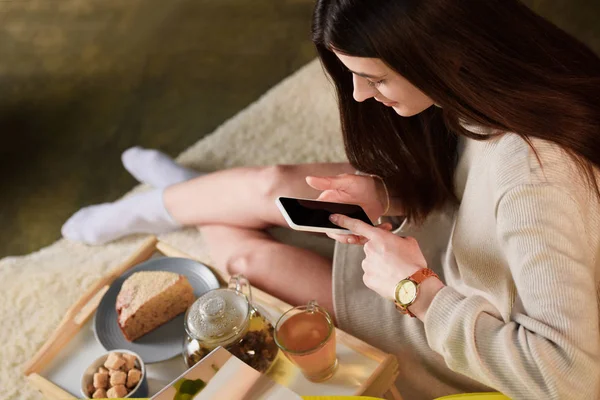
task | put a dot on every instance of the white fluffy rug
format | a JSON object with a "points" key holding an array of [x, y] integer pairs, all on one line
{"points": [[294, 122]]}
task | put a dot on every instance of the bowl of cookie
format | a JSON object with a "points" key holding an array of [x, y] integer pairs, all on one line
{"points": [[116, 374]]}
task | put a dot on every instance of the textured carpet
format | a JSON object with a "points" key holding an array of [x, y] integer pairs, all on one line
{"points": [[294, 122]]}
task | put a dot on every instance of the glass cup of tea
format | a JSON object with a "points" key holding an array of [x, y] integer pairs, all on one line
{"points": [[306, 335]]}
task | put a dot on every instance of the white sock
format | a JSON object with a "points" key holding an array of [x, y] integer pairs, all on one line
{"points": [[140, 213], [155, 168]]}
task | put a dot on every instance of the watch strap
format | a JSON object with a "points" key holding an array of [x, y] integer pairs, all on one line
{"points": [[421, 275]]}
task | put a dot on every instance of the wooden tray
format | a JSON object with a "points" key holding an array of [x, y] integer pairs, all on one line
{"points": [[364, 370]]}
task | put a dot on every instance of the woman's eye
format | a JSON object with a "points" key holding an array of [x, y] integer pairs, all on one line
{"points": [[375, 83]]}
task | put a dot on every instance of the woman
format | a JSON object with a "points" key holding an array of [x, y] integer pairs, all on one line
{"points": [[482, 119]]}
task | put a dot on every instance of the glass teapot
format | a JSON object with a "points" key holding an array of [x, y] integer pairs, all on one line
{"points": [[226, 317]]}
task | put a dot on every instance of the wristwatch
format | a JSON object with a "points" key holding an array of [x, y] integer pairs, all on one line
{"points": [[407, 290]]}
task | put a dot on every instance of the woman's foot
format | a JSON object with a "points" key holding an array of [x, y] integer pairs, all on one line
{"points": [[102, 223], [155, 168]]}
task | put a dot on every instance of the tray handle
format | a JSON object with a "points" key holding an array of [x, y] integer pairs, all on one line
{"points": [[78, 314], [48, 389]]}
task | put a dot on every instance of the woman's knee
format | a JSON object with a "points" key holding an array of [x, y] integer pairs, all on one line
{"points": [[241, 263], [284, 180], [274, 178], [237, 262], [232, 250]]}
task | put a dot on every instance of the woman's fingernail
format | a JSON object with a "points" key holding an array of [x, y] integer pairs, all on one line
{"points": [[333, 218], [351, 240]]}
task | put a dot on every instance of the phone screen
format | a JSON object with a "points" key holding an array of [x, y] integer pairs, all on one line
{"points": [[316, 213]]}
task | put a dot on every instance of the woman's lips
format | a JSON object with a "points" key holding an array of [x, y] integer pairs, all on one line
{"points": [[388, 103]]}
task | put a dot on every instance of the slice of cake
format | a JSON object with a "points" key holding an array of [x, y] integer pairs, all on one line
{"points": [[148, 299]]}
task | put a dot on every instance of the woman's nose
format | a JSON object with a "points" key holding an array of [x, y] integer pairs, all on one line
{"points": [[362, 89]]}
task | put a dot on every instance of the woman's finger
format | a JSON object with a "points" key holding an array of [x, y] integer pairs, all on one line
{"points": [[362, 240], [338, 182], [355, 226], [346, 239], [319, 182], [386, 226]]}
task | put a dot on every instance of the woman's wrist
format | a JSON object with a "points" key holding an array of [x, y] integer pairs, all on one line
{"points": [[392, 206], [428, 289], [382, 194]]}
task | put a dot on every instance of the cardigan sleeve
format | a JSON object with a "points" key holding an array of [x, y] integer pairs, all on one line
{"points": [[550, 347]]}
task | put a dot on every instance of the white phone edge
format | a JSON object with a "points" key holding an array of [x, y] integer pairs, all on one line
{"points": [[306, 228]]}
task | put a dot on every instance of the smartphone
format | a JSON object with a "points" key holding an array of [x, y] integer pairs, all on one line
{"points": [[313, 215]]}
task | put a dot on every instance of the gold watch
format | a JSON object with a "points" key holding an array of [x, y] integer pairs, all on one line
{"points": [[407, 290]]}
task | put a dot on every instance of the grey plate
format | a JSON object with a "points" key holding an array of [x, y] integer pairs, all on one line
{"points": [[167, 340]]}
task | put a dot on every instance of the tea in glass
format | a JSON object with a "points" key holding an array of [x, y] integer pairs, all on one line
{"points": [[306, 335]]}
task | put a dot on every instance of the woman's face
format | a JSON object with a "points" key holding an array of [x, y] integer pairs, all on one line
{"points": [[372, 78]]}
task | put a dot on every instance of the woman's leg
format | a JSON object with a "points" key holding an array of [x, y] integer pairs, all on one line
{"points": [[243, 197], [289, 273]]}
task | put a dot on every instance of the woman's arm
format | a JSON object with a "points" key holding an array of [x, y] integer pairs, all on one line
{"points": [[550, 350]]}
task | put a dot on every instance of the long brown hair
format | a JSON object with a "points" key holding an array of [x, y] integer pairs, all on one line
{"points": [[494, 63]]}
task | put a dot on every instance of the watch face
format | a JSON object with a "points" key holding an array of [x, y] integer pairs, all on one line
{"points": [[407, 292]]}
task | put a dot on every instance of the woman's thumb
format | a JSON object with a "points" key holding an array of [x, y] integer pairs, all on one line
{"points": [[325, 182], [319, 182]]}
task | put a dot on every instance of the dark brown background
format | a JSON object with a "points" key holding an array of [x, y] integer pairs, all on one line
{"points": [[82, 80]]}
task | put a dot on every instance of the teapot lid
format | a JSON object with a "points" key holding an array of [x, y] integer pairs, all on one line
{"points": [[218, 316]]}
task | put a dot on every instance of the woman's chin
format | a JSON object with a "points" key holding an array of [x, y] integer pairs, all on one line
{"points": [[406, 111]]}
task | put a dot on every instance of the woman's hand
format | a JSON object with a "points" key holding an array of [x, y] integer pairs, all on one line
{"points": [[389, 258], [364, 190]]}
